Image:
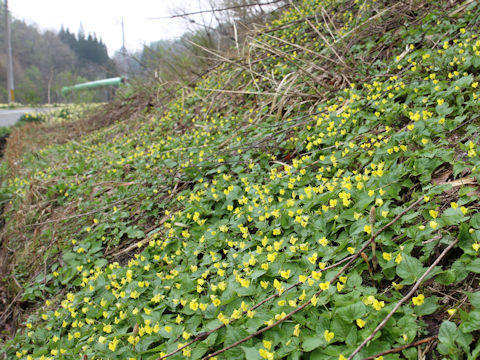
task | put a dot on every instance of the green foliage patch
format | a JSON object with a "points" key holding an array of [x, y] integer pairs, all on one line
{"points": [[236, 206]]}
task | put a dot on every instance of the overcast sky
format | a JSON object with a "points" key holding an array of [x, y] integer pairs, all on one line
{"points": [[104, 18]]}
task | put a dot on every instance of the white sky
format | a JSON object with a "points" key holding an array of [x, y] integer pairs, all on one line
{"points": [[104, 17]]}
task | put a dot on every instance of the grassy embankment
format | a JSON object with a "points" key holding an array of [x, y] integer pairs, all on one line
{"points": [[318, 184]]}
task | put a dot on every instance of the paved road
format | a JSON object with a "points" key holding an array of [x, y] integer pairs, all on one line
{"points": [[11, 116]]}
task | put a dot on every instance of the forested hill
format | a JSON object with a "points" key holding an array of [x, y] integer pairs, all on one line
{"points": [[314, 195], [45, 61]]}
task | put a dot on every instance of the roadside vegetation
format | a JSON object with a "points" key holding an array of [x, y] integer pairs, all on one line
{"points": [[314, 196]]}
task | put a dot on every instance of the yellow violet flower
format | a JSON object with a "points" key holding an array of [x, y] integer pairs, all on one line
{"points": [[265, 354], [296, 330], [418, 300], [397, 286], [360, 323], [113, 344], [325, 285], [328, 335], [378, 305], [367, 229], [398, 258]]}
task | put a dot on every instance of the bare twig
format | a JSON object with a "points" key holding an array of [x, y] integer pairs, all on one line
{"points": [[324, 40], [142, 242], [83, 214], [304, 305], [401, 348], [215, 10], [204, 335], [405, 298]]}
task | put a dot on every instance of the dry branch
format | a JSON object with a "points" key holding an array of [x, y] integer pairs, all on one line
{"points": [[405, 298], [204, 335], [401, 348], [215, 10], [304, 305]]}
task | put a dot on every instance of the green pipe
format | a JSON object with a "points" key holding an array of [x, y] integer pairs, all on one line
{"points": [[93, 85]]}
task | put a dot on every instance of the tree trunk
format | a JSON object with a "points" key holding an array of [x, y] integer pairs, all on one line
{"points": [[49, 86]]}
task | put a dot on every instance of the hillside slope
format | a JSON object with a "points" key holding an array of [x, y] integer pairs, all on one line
{"points": [[314, 197]]}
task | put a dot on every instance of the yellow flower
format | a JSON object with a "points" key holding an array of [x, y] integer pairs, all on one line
{"points": [[285, 274], [433, 224], [418, 300], [476, 246], [314, 300], [360, 323], [351, 250], [296, 330], [323, 241], [325, 285], [378, 305], [451, 311], [387, 256], [267, 344], [367, 229], [265, 354], [397, 286], [328, 335], [398, 258], [433, 214], [113, 344], [316, 275], [107, 329]]}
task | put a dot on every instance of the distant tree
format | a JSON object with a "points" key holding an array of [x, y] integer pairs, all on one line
{"points": [[59, 57], [29, 90]]}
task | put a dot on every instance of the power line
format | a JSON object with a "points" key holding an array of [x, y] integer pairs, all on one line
{"points": [[215, 10]]}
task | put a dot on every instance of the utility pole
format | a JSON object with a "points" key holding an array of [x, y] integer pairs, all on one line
{"points": [[124, 50], [11, 93]]}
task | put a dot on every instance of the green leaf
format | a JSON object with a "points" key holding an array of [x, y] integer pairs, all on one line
{"points": [[463, 81], [446, 277], [312, 342], [428, 307], [474, 266], [475, 353], [464, 340], [474, 299], [352, 312], [453, 216], [410, 269], [448, 333], [475, 221], [471, 321], [251, 353]]}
